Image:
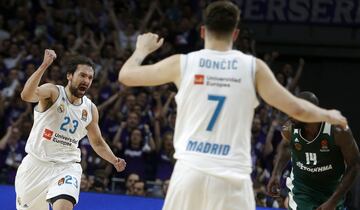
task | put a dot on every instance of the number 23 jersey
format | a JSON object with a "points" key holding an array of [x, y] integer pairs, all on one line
{"points": [[56, 132]]}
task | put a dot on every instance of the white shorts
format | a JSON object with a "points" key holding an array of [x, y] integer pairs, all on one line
{"points": [[36, 182], [192, 189]]}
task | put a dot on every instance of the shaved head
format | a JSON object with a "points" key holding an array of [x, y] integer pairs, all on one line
{"points": [[309, 96]]}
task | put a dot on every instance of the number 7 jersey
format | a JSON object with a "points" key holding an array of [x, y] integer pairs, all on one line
{"points": [[56, 132], [215, 109]]}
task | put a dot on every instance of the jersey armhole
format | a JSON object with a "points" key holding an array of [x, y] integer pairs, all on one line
{"points": [[183, 65]]}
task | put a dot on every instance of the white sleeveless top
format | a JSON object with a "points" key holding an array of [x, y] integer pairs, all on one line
{"points": [[215, 108], [56, 132]]}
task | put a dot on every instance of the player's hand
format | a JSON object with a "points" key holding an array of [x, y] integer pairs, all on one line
{"points": [[273, 186], [328, 205], [148, 43], [119, 164], [336, 118], [49, 57]]}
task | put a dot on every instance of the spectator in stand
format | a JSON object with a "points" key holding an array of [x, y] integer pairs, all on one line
{"points": [[139, 188], [131, 179]]}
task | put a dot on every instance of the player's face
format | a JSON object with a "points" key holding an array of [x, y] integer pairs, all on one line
{"points": [[81, 80], [298, 124], [136, 138]]}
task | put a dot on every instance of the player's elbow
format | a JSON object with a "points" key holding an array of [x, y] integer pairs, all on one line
{"points": [[23, 96], [27, 96]]}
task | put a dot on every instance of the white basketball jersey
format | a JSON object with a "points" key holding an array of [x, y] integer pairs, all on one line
{"points": [[56, 132], [215, 108]]}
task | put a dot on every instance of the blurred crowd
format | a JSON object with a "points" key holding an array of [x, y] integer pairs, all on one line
{"points": [[138, 123]]}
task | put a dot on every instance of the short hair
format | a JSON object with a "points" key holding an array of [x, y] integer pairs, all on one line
{"points": [[309, 96], [221, 17], [73, 62]]}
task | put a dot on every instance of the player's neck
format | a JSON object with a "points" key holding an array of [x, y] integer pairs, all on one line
{"points": [[72, 99], [218, 45], [312, 129]]}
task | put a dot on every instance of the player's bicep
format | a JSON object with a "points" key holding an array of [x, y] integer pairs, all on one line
{"points": [[272, 91]]}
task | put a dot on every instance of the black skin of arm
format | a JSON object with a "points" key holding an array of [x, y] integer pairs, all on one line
{"points": [[350, 151], [282, 158]]}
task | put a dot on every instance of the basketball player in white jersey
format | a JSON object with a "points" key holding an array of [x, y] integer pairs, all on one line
{"points": [[51, 173], [216, 99]]}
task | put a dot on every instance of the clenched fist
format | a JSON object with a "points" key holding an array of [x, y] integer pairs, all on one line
{"points": [[49, 57], [148, 43], [119, 164]]}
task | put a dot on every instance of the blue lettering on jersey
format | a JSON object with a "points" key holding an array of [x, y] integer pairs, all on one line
{"points": [[219, 65], [208, 148], [65, 127]]}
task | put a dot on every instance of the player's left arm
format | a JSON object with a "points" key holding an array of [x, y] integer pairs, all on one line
{"points": [[98, 143], [133, 73], [349, 149]]}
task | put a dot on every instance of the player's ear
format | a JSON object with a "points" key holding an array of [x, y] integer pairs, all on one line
{"points": [[235, 34], [202, 32], [69, 76]]}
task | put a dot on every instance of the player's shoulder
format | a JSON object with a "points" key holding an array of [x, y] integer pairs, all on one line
{"points": [[287, 126], [286, 130]]}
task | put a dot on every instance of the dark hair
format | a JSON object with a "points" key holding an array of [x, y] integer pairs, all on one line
{"points": [[221, 17], [309, 96], [73, 62]]}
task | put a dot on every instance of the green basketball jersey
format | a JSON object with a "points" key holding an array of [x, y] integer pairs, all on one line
{"points": [[318, 164]]}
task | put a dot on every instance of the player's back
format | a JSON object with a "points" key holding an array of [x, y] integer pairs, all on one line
{"points": [[216, 102]]}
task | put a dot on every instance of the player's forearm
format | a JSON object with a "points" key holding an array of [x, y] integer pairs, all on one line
{"points": [[348, 179], [29, 92], [308, 112], [283, 157], [130, 69], [104, 151]]}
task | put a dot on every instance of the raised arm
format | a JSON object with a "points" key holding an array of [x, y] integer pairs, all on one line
{"points": [[99, 145], [32, 92], [345, 140], [133, 73], [291, 87], [276, 95]]}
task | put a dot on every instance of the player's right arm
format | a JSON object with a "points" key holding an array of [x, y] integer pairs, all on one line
{"points": [[277, 96], [34, 93], [281, 160]]}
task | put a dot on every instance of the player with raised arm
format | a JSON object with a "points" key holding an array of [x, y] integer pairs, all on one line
{"points": [[51, 171], [216, 99]]}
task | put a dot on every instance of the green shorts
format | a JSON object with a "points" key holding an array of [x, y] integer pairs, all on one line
{"points": [[301, 198]]}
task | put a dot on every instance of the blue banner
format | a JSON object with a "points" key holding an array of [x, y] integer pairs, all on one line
{"points": [[333, 12], [96, 201]]}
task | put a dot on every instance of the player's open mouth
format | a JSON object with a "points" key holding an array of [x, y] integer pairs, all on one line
{"points": [[82, 88]]}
